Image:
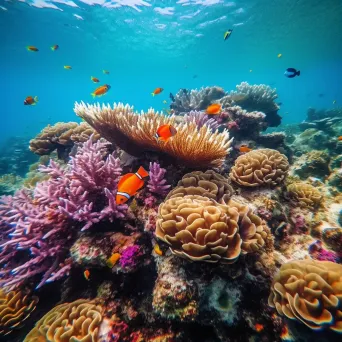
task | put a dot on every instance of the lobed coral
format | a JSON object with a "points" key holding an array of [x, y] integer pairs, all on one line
{"points": [[304, 194], [135, 133], [310, 292], [15, 308], [77, 321], [200, 229], [260, 167]]}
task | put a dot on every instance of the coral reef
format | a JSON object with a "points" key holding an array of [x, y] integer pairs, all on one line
{"points": [[9, 183], [157, 183], [304, 194], [201, 119]]}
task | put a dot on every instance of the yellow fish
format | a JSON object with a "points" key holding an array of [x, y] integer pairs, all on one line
{"points": [[113, 259], [158, 250], [279, 55], [68, 67]]}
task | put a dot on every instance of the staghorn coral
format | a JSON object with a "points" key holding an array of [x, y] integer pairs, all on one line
{"points": [[135, 133], [15, 307], [305, 194], [208, 184], [311, 292], [78, 321], [200, 229], [157, 184], [260, 167]]}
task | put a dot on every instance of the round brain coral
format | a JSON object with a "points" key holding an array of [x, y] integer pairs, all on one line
{"points": [[208, 184], [15, 307], [201, 229], [305, 194], [311, 292], [260, 167], [78, 321]]}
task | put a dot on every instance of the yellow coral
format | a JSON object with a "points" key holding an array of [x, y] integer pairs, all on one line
{"points": [[305, 194]]}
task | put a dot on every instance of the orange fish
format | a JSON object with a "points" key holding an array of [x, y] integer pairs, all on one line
{"points": [[32, 48], [68, 67], [244, 149], [86, 274], [54, 47], [158, 250], [258, 327], [31, 101], [339, 138], [113, 259], [157, 91], [129, 184], [106, 72], [165, 132], [214, 109], [94, 79], [101, 90]]}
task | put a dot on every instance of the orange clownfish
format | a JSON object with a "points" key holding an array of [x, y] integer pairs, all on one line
{"points": [[129, 184], [54, 47], [101, 90], [339, 138], [113, 259], [258, 327], [157, 91], [94, 79], [31, 101], [214, 109], [68, 67], [244, 149], [165, 132], [32, 48], [86, 274]]}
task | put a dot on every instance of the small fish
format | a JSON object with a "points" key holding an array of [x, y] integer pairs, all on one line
{"points": [[250, 70], [339, 138], [105, 72], [291, 72], [68, 67], [279, 103], [158, 250], [129, 184], [195, 76], [165, 102], [244, 149], [31, 101], [113, 259], [157, 91], [172, 98], [86, 274], [101, 90], [94, 79], [54, 47], [258, 327], [227, 34], [32, 48], [279, 55], [334, 101], [165, 132], [214, 109]]}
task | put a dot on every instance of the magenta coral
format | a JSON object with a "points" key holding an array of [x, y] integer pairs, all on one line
{"points": [[128, 256], [157, 183]]}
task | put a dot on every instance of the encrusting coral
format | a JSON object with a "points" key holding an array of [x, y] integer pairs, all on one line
{"points": [[135, 133], [77, 321], [305, 194], [260, 167], [311, 292], [200, 229], [15, 307]]}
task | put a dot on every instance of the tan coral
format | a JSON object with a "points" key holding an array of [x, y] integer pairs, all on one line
{"points": [[15, 307], [201, 229], [78, 321], [305, 194], [135, 133], [311, 292], [260, 167], [208, 184]]}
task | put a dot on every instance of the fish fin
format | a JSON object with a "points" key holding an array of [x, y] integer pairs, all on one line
{"points": [[123, 178], [36, 99], [153, 94], [298, 73], [93, 95], [142, 172]]}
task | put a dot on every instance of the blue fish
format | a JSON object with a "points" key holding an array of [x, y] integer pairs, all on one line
{"points": [[291, 72]]}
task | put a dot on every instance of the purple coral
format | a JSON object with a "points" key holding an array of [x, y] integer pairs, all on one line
{"points": [[157, 183], [128, 256], [317, 252], [201, 119]]}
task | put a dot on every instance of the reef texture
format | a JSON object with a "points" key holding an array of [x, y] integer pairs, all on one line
{"points": [[260, 167], [304, 194], [310, 292]]}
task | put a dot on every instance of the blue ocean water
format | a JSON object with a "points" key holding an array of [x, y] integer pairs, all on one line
{"points": [[170, 44]]}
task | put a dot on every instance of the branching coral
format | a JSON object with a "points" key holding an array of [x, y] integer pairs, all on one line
{"points": [[208, 184], [305, 194], [311, 292], [200, 229], [157, 183], [77, 321], [260, 167], [201, 119], [15, 307], [135, 132]]}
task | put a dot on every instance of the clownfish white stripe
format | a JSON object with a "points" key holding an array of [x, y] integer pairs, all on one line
{"points": [[137, 174], [125, 194]]}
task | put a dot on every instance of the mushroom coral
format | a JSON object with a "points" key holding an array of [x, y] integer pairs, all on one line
{"points": [[135, 133], [78, 321], [311, 292], [201, 229], [15, 307], [260, 167]]}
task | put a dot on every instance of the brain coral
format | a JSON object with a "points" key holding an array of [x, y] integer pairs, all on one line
{"points": [[15, 307], [260, 167], [311, 292], [200, 229], [78, 321], [208, 184], [305, 194]]}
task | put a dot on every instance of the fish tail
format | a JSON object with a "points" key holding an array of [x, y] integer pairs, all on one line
{"points": [[36, 99], [93, 95], [153, 94], [298, 73], [142, 172], [52, 48]]}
